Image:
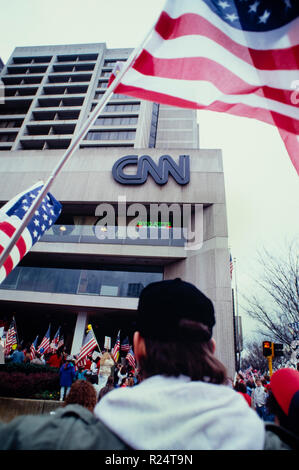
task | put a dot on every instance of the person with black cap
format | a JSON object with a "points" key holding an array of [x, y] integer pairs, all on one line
{"points": [[182, 403]]}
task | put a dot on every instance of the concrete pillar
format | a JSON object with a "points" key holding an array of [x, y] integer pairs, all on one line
{"points": [[79, 332]]}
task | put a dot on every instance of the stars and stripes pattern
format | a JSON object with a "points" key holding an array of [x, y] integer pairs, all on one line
{"points": [[125, 345], [45, 344], [11, 337], [115, 350], [60, 342], [55, 341], [11, 215], [131, 358], [227, 56], [89, 344], [33, 349]]}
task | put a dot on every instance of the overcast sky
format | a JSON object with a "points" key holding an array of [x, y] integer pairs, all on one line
{"points": [[262, 188]]}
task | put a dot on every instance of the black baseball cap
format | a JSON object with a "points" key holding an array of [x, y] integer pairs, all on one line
{"points": [[175, 309]]}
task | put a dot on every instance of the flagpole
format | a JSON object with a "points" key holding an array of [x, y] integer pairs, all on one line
{"points": [[95, 339], [71, 149]]}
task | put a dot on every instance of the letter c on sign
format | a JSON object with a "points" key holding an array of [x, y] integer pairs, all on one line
{"points": [[117, 169]]}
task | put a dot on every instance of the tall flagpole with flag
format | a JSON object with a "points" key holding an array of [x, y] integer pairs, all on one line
{"points": [[45, 344], [77, 138]]}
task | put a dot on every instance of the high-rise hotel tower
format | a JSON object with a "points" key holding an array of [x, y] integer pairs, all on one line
{"points": [[139, 170]]}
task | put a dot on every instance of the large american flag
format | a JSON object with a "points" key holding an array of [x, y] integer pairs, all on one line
{"points": [[89, 344], [235, 56], [45, 344], [115, 350], [33, 348], [11, 215], [11, 337]]}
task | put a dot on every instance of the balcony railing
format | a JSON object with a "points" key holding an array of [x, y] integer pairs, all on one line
{"points": [[98, 234]]}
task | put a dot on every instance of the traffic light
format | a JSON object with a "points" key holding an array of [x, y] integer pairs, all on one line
{"points": [[278, 349], [267, 348]]}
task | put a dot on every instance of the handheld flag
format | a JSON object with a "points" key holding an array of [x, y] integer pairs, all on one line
{"points": [[131, 358], [45, 344], [33, 348], [89, 344], [125, 345], [115, 350], [60, 342], [231, 266], [11, 215], [11, 337], [224, 56], [55, 341]]}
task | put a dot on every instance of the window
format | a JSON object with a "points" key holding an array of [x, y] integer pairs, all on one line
{"points": [[116, 121], [111, 135]]}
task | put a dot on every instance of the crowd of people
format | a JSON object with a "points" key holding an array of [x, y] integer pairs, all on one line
{"points": [[99, 369], [180, 397]]}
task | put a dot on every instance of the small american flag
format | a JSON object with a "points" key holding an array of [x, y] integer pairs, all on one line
{"points": [[45, 344], [131, 358], [89, 344], [33, 349], [125, 345], [55, 341], [115, 350], [11, 215], [11, 337], [60, 342]]}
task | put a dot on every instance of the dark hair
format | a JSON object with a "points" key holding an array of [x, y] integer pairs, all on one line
{"points": [[187, 355], [240, 387], [82, 393]]}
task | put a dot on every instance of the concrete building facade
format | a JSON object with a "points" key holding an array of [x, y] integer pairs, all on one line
{"points": [[90, 267]]}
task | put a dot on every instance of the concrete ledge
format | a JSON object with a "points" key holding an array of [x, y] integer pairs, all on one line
{"points": [[10, 408]]}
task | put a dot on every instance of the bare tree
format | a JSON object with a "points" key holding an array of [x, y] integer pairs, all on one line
{"points": [[254, 357], [275, 303]]}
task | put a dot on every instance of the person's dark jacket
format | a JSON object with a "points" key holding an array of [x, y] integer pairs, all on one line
{"points": [[76, 428], [70, 428]]}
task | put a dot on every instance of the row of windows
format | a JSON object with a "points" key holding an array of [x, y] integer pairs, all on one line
{"points": [[116, 121], [113, 135], [80, 281], [10, 123], [7, 137], [122, 107]]}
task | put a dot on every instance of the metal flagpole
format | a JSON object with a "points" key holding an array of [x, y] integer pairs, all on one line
{"points": [[71, 149]]}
